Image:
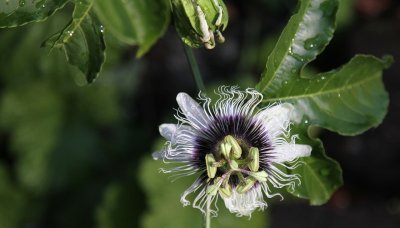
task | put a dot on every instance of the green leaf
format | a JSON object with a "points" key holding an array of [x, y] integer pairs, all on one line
{"points": [[14, 204], [136, 22], [33, 124], [320, 175], [305, 36], [165, 209], [82, 40], [348, 100], [19, 12]]}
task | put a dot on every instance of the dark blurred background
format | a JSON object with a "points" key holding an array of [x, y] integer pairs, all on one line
{"points": [[74, 155]]}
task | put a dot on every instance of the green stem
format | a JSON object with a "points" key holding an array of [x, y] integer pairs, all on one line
{"points": [[207, 216], [194, 67]]}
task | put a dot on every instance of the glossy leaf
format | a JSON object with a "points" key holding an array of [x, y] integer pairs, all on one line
{"points": [[82, 40], [320, 175], [304, 37], [19, 12], [136, 22], [348, 100]]}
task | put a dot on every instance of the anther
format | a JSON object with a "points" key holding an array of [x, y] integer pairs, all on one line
{"points": [[236, 149], [211, 169], [225, 191], [245, 185], [225, 150], [260, 176], [254, 159]]}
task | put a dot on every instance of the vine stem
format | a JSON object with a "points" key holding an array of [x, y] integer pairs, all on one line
{"points": [[200, 85], [194, 67], [207, 215]]}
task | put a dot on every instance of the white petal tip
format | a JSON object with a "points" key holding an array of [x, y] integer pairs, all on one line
{"points": [[167, 130], [158, 155], [181, 97], [307, 150]]}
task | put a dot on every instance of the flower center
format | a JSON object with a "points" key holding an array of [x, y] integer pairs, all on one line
{"points": [[233, 159]]}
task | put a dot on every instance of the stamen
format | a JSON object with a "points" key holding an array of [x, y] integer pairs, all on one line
{"points": [[254, 157], [211, 169], [225, 191], [236, 149], [245, 185]]}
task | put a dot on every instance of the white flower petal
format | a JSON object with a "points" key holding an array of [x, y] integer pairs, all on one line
{"points": [[192, 110], [167, 130], [277, 118], [158, 155], [177, 133], [289, 152], [246, 203]]}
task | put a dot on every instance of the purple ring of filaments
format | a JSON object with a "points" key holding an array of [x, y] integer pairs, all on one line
{"points": [[244, 128]]}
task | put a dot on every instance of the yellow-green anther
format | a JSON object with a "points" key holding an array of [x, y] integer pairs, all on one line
{"points": [[254, 157], [260, 176], [225, 150], [236, 149], [225, 191], [211, 169], [212, 189], [219, 163], [245, 186], [234, 165]]}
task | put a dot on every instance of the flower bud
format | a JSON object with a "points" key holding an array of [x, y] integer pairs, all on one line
{"points": [[198, 21]]}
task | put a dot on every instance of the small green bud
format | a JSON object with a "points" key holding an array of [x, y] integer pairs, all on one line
{"points": [[198, 21], [211, 169], [254, 157], [260, 176], [225, 191], [246, 185], [236, 149]]}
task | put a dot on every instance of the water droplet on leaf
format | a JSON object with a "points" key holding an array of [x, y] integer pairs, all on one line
{"points": [[312, 43], [21, 3]]}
